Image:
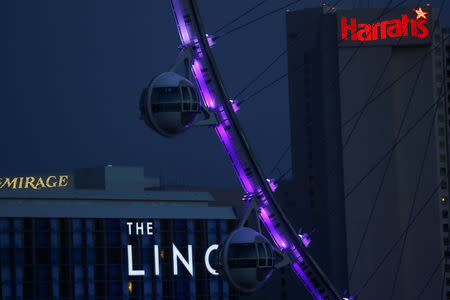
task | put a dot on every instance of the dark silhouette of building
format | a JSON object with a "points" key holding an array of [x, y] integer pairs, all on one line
{"points": [[369, 124]]}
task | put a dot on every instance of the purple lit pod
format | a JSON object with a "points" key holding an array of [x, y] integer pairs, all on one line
{"points": [[170, 104], [246, 259]]}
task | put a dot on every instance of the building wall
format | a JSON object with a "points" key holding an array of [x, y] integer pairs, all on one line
{"points": [[393, 184], [442, 66], [314, 199], [64, 258]]}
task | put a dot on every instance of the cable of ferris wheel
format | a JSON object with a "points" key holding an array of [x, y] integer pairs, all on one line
{"points": [[386, 168], [389, 252], [239, 17], [257, 19], [428, 281]]}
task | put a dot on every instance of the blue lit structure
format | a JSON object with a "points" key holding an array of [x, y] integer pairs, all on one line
{"points": [[72, 243]]}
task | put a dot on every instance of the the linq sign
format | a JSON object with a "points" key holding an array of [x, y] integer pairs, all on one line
{"points": [[362, 27]]}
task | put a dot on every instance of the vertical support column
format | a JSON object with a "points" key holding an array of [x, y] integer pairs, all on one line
{"points": [[54, 258], [213, 280], [78, 275], [223, 235], [18, 261], [5, 262], [147, 257], [124, 268], [158, 279], [90, 258], [190, 239]]}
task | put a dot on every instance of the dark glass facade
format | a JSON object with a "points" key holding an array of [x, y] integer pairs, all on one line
{"points": [[84, 258]]}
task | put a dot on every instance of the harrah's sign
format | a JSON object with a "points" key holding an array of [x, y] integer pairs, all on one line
{"points": [[414, 26]]}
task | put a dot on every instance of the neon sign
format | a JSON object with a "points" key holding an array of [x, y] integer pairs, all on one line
{"points": [[141, 228], [401, 27], [34, 182]]}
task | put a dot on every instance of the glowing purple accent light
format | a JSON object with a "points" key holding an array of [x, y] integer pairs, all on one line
{"points": [[305, 239], [306, 281], [279, 240], [273, 185], [225, 138], [201, 83], [235, 105], [210, 40], [182, 28], [197, 48]]}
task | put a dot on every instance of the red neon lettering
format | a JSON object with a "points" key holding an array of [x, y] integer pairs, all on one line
{"points": [[421, 26], [382, 30], [375, 28], [364, 32], [405, 22], [345, 28], [395, 30]]}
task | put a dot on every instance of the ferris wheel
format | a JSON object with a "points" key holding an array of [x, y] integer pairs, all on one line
{"points": [[173, 103]]}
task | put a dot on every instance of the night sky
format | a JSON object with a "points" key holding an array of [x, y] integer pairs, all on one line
{"points": [[72, 73]]}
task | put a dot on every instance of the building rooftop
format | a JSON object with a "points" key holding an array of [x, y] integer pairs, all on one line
{"points": [[103, 192]]}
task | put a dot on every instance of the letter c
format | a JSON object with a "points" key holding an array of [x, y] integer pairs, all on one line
{"points": [[207, 254]]}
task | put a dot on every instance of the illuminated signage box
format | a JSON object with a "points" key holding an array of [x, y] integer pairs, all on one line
{"points": [[379, 27]]}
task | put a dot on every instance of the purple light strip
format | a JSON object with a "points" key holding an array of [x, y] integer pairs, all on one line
{"points": [[279, 240], [308, 284], [223, 135], [182, 28], [201, 83]]}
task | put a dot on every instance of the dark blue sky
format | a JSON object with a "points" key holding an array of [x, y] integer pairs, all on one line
{"points": [[72, 73]]}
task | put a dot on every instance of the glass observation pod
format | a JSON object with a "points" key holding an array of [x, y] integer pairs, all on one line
{"points": [[246, 259], [170, 104]]}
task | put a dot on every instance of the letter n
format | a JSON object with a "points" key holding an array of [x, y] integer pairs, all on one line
{"points": [[177, 255]]}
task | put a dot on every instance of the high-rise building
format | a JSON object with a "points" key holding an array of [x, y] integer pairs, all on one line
{"points": [[369, 132], [108, 233]]}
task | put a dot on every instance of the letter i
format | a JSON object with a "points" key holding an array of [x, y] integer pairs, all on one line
{"points": [[156, 256]]}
